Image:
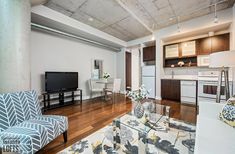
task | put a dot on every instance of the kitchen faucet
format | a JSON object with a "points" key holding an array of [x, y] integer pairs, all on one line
{"points": [[172, 74]]}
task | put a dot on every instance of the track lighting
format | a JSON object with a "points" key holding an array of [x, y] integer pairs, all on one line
{"points": [[216, 20], [178, 25], [153, 38], [178, 28]]}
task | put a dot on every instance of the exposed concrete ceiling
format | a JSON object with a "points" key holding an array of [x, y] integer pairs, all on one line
{"points": [[109, 16], [38, 2]]}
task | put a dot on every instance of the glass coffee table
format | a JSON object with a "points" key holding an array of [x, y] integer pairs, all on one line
{"points": [[156, 117]]}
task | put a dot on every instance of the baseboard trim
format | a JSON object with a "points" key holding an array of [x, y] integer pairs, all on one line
{"points": [[158, 98]]}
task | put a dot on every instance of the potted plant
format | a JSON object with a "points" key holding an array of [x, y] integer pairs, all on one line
{"points": [[106, 75], [137, 98]]}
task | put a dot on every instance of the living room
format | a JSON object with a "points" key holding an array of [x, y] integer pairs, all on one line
{"points": [[117, 76]]}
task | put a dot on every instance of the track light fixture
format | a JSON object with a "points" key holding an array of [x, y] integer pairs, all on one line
{"points": [[153, 37], [178, 25], [215, 14]]}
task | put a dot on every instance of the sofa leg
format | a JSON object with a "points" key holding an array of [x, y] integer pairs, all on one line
{"points": [[65, 136]]}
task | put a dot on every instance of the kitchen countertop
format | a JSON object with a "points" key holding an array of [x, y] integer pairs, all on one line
{"points": [[181, 77], [191, 78]]}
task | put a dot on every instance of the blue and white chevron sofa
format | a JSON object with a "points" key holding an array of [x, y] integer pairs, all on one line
{"points": [[21, 119]]}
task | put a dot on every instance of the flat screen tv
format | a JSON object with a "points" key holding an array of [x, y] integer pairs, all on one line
{"points": [[61, 81]]}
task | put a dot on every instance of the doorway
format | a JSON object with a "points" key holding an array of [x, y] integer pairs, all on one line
{"points": [[128, 71]]}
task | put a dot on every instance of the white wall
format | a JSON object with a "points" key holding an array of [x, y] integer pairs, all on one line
{"points": [[135, 68], [121, 68], [56, 53]]}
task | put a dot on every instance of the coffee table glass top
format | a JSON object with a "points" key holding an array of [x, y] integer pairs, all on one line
{"points": [[152, 116]]}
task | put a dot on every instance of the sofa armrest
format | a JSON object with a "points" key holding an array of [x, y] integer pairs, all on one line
{"points": [[210, 109]]}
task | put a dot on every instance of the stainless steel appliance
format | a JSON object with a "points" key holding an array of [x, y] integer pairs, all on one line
{"points": [[207, 86]]}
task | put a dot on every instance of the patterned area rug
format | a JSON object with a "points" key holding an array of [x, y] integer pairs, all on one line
{"points": [[178, 139]]}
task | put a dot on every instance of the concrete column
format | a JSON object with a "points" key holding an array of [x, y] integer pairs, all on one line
{"points": [[14, 45], [233, 44]]}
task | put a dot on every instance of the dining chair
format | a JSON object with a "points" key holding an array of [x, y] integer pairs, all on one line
{"points": [[116, 88], [95, 88]]}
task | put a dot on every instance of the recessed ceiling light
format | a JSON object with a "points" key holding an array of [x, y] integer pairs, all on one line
{"points": [[171, 19], [90, 19]]}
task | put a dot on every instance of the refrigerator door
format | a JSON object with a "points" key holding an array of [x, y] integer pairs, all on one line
{"points": [[149, 83], [148, 70]]}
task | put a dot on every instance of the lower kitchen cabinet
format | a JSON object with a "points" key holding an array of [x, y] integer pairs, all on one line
{"points": [[170, 89]]}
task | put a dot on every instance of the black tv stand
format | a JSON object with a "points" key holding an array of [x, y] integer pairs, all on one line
{"points": [[61, 98]]}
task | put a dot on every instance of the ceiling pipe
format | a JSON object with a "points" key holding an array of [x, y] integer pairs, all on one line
{"points": [[55, 31]]}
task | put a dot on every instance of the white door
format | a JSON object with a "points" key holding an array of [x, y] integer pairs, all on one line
{"points": [[149, 83]]}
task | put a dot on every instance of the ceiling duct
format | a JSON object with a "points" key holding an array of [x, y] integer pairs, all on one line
{"points": [[55, 31]]}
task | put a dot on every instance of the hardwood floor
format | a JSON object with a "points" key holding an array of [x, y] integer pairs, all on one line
{"points": [[96, 114]]}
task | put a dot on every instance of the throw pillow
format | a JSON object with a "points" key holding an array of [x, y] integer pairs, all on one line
{"points": [[228, 112]]}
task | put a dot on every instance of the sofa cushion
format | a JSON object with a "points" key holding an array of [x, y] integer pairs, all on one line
{"points": [[62, 121], [228, 112], [35, 133], [18, 107], [213, 137]]}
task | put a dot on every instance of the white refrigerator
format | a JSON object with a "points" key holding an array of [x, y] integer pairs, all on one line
{"points": [[148, 79]]}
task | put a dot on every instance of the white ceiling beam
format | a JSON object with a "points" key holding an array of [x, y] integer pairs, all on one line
{"points": [[134, 15]]}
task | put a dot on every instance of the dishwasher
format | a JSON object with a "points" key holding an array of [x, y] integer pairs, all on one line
{"points": [[188, 92]]}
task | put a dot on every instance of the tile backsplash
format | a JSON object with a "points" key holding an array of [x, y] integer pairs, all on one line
{"points": [[186, 70]]}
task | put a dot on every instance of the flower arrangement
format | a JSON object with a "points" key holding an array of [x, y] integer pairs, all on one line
{"points": [[106, 75], [138, 95]]}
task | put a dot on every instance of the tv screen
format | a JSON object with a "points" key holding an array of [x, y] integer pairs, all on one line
{"points": [[61, 81]]}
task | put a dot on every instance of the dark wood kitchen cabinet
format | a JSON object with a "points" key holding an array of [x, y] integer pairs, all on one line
{"points": [[170, 89], [203, 46], [149, 53], [208, 45], [220, 43]]}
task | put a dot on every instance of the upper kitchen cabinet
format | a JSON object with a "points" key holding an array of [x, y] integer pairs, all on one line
{"points": [[171, 51], [188, 49], [203, 46], [176, 54], [149, 53], [220, 43], [206, 46], [194, 52]]}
